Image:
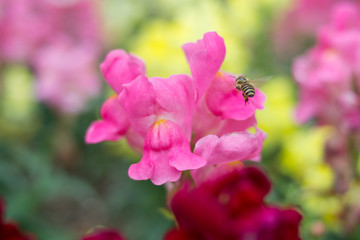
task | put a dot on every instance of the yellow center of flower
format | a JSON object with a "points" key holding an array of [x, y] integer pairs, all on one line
{"points": [[219, 74], [159, 122], [114, 96]]}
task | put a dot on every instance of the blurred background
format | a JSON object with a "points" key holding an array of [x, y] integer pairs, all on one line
{"points": [[51, 89]]}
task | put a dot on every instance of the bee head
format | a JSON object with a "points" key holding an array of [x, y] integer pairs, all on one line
{"points": [[241, 79]]}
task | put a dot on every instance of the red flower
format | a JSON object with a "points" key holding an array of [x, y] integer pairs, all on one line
{"points": [[104, 234], [232, 207], [10, 231]]}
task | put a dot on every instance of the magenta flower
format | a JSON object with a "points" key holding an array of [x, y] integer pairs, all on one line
{"points": [[104, 234], [10, 230], [328, 74], [232, 206], [164, 116]]}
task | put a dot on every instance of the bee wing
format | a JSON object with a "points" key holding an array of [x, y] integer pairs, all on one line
{"points": [[258, 82]]}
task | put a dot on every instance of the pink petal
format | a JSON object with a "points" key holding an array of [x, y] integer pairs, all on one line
{"points": [[346, 15], [225, 101], [318, 67], [135, 140], [214, 171], [183, 159], [146, 100], [231, 147], [205, 58], [167, 150], [163, 171], [139, 102], [113, 112], [230, 125], [113, 126], [204, 121], [120, 68], [102, 131], [142, 170], [258, 100], [310, 105], [175, 97]]}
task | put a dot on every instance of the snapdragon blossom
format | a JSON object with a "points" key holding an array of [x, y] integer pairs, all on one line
{"points": [[329, 73], [231, 206], [163, 117]]}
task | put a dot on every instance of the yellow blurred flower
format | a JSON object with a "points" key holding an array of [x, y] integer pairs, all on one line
{"points": [[159, 45], [276, 118], [17, 104], [326, 208], [159, 41], [303, 158]]}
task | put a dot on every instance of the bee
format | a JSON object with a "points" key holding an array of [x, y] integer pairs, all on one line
{"points": [[243, 84]]}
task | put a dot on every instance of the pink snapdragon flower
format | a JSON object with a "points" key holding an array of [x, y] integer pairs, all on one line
{"points": [[328, 74], [66, 78], [162, 113], [165, 116]]}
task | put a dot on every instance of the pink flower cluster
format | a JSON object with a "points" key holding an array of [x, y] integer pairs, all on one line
{"points": [[232, 207], [303, 19], [27, 25], [301, 22], [60, 42], [164, 117], [329, 73]]}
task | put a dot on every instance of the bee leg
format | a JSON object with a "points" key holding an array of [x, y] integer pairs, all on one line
{"points": [[246, 98]]}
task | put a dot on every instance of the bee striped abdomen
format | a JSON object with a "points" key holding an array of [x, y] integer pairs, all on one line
{"points": [[248, 90]]}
